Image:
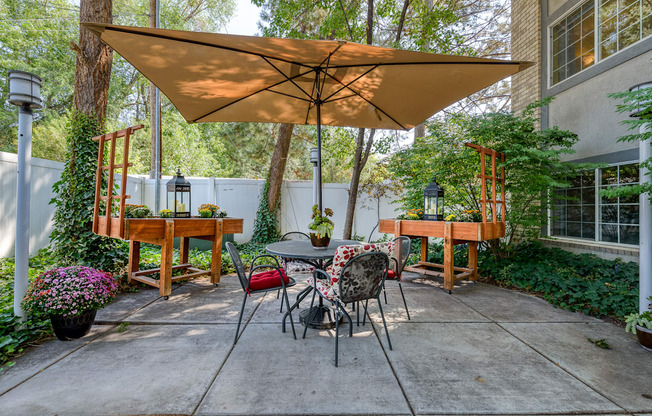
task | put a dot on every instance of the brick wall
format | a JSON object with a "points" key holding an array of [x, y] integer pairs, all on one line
{"points": [[526, 46]]}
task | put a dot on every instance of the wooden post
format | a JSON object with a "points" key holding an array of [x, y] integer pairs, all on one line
{"points": [[184, 247], [397, 228], [165, 282], [216, 253], [473, 259], [134, 258], [449, 263], [424, 248], [109, 189]]}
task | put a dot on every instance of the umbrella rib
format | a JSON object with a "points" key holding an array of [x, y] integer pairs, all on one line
{"points": [[291, 96], [348, 86], [288, 78], [427, 63], [252, 94]]}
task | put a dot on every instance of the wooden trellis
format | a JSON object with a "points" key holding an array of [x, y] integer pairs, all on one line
{"points": [[107, 225], [494, 203]]}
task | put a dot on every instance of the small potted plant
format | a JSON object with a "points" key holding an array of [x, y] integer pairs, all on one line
{"points": [[207, 207], [641, 325], [322, 227], [137, 211], [71, 297], [165, 213]]}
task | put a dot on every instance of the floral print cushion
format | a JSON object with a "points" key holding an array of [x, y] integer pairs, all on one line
{"points": [[346, 253], [324, 288]]}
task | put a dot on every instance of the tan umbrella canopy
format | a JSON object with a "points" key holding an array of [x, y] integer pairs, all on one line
{"points": [[215, 77]]}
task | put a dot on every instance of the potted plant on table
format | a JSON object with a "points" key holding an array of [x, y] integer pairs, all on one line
{"points": [[71, 297], [641, 325], [322, 228]]}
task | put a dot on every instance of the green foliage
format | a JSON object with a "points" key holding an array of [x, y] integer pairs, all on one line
{"points": [[73, 238], [266, 223], [641, 319], [532, 165], [601, 343], [581, 282], [635, 101], [14, 335], [321, 224]]}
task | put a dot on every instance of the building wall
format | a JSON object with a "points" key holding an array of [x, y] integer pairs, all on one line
{"points": [[526, 46], [580, 102]]}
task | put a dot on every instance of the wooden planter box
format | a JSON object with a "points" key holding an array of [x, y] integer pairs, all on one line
{"points": [[162, 231], [453, 233]]}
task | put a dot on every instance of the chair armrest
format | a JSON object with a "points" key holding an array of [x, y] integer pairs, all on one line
{"points": [[319, 271]]}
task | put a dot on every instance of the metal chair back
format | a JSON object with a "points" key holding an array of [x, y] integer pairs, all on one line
{"points": [[237, 263], [362, 277], [295, 235], [402, 251]]}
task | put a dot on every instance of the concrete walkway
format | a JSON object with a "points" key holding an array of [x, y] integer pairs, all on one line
{"points": [[482, 350]]}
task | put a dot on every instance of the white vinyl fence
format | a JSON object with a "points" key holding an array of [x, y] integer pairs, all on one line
{"points": [[239, 197]]}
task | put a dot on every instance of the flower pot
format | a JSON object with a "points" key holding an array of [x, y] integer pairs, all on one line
{"points": [[644, 336], [67, 327], [319, 243]]}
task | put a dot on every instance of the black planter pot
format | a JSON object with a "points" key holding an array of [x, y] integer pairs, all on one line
{"points": [[644, 336], [319, 243], [67, 327]]}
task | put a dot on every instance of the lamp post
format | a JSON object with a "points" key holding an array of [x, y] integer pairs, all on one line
{"points": [[645, 211], [316, 180], [24, 92]]}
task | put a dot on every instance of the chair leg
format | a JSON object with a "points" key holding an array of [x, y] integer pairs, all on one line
{"points": [[385, 293], [337, 331], [364, 315], [380, 306], [312, 303], [287, 303], [237, 331], [357, 313], [348, 317], [404, 302], [303, 293]]}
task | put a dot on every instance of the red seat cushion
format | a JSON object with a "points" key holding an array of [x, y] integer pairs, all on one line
{"points": [[391, 274], [267, 280]]}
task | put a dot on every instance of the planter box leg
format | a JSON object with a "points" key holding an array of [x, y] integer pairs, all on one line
{"points": [[216, 254], [449, 263], [134, 258], [165, 282], [184, 247], [473, 259]]}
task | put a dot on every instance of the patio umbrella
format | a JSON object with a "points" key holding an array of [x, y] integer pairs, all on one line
{"points": [[229, 78]]}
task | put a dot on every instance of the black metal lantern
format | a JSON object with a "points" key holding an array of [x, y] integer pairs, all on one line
{"points": [[178, 189], [433, 197]]}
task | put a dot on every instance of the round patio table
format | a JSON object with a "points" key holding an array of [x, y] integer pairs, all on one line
{"points": [[302, 250]]}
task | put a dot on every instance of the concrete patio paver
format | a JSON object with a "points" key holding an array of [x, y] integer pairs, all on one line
{"points": [[147, 369], [481, 350], [479, 368]]}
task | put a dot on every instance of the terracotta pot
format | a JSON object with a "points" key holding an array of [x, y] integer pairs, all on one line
{"points": [[67, 327], [644, 336], [319, 243]]}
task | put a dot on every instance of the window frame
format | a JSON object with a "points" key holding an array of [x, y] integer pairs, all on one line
{"points": [[598, 185], [597, 38]]}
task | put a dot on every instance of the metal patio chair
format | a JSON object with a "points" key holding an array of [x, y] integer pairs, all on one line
{"points": [[273, 279], [361, 279], [397, 264]]}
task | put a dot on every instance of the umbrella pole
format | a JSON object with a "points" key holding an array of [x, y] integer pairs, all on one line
{"points": [[319, 189]]}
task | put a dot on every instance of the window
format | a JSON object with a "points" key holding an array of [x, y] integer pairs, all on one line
{"points": [[574, 44], [574, 211]]}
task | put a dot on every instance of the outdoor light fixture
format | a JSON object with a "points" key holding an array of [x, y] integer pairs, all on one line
{"points": [[178, 189], [433, 197], [24, 92]]}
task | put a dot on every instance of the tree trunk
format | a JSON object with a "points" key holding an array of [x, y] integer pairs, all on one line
{"points": [[154, 121], [277, 166], [94, 59], [359, 163]]}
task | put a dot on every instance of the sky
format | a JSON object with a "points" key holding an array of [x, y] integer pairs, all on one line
{"points": [[244, 20]]}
